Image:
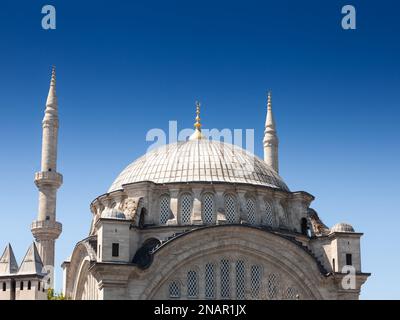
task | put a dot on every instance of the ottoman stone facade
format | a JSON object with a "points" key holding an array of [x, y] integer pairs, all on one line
{"points": [[202, 219], [196, 219]]}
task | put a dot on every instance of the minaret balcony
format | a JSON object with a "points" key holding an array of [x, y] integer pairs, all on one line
{"points": [[46, 229], [48, 178]]}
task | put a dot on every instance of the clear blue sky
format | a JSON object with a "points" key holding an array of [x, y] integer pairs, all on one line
{"points": [[125, 67]]}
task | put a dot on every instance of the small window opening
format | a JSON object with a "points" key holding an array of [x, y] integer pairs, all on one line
{"points": [[115, 249], [349, 259]]}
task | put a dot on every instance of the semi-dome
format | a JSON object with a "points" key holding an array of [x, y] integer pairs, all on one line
{"points": [[199, 160], [342, 227]]}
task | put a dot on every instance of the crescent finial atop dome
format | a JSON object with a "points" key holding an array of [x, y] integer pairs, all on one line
{"points": [[197, 125]]}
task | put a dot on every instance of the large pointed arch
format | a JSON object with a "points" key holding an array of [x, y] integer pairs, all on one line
{"points": [[290, 258]]}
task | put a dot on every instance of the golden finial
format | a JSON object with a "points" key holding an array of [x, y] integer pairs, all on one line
{"points": [[197, 125]]}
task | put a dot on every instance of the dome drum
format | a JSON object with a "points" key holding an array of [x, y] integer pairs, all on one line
{"points": [[197, 204]]}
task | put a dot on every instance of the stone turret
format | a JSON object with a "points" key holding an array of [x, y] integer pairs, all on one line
{"points": [[26, 282], [46, 229]]}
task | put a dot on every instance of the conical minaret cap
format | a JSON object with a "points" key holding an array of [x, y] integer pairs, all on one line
{"points": [[51, 102], [270, 121], [270, 138]]}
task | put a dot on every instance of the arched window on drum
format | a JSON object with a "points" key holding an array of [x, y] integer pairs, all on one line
{"points": [[185, 208], [230, 208], [268, 219], [164, 208], [251, 211], [208, 208]]}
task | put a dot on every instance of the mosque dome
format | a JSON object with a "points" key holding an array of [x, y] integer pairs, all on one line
{"points": [[199, 160], [342, 227]]}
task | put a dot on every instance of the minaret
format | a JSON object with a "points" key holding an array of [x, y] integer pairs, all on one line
{"points": [[271, 141], [46, 229]]}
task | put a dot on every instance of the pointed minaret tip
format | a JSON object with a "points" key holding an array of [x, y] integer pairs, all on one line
{"points": [[197, 125], [270, 137], [269, 102], [51, 102], [270, 121], [53, 76]]}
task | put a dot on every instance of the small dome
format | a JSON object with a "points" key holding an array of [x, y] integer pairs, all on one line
{"points": [[112, 213], [342, 227]]}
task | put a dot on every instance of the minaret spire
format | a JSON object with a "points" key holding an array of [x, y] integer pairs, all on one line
{"points": [[271, 141], [197, 125], [46, 229]]}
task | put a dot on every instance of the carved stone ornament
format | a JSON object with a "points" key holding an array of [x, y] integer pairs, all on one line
{"points": [[129, 208], [318, 227]]}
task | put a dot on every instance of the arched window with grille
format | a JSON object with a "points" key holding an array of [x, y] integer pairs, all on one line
{"points": [[29, 285], [291, 294], [251, 210], [208, 208], [273, 286], [192, 284], [174, 290], [230, 208], [225, 280], [21, 285], [255, 281], [4, 286], [268, 217], [210, 281], [240, 280], [185, 208], [164, 209]]}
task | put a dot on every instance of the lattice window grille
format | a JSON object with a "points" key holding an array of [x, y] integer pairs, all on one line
{"points": [[255, 280], [208, 208], [230, 208], [186, 208], [225, 280], [240, 280], [251, 211], [291, 293], [273, 286], [192, 284], [210, 281], [164, 209], [268, 214], [174, 290]]}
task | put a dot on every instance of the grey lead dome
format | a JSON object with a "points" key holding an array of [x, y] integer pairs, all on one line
{"points": [[199, 161], [342, 227]]}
